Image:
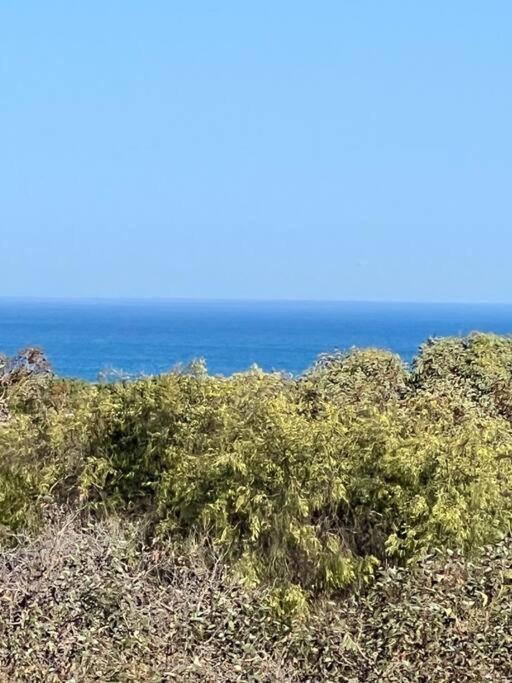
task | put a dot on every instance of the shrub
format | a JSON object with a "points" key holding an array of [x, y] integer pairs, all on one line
{"points": [[359, 377], [479, 365], [307, 483], [89, 602]]}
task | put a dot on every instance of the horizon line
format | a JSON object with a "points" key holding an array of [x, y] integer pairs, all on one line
{"points": [[233, 300]]}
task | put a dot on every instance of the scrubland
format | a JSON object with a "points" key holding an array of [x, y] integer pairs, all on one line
{"points": [[350, 524]]}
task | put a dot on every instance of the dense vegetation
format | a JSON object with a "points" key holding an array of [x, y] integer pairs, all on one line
{"points": [[88, 602], [346, 481]]}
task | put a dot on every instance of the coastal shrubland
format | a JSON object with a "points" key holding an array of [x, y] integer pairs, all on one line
{"points": [[361, 482]]}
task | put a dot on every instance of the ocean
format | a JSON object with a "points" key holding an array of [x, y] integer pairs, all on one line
{"points": [[86, 337]]}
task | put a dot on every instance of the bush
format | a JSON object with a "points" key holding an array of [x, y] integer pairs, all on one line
{"points": [[89, 602], [359, 377], [479, 365], [307, 483]]}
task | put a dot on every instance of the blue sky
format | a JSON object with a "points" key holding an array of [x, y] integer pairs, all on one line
{"points": [[334, 150]]}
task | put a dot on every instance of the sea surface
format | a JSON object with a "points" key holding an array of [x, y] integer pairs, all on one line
{"points": [[84, 338]]}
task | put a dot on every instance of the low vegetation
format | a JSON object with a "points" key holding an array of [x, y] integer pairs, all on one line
{"points": [[90, 602], [350, 524]]}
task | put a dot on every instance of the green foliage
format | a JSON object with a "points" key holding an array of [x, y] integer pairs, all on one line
{"points": [[480, 366], [360, 377], [307, 482]]}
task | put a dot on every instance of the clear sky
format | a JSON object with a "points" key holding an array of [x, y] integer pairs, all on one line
{"points": [[343, 149]]}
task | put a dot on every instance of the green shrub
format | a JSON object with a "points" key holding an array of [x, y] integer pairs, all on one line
{"points": [[306, 482], [359, 377], [479, 365]]}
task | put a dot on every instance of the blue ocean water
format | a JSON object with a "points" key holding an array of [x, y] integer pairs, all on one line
{"points": [[83, 338]]}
